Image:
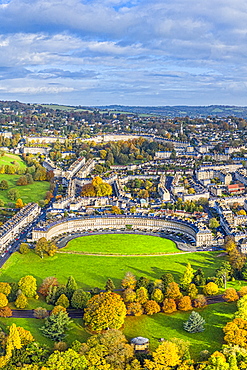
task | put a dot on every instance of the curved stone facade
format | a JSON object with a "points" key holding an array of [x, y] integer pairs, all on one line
{"points": [[117, 222]]}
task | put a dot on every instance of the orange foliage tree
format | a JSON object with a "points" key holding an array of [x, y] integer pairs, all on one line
{"points": [[169, 305]]}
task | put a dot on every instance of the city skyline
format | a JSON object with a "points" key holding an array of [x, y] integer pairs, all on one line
{"points": [[123, 52]]}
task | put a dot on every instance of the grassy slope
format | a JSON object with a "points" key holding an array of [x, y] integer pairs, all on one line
{"points": [[91, 271], [9, 158], [122, 244], [29, 193], [171, 326]]}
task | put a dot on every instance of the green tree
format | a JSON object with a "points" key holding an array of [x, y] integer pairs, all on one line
{"points": [[142, 295], [157, 295], [109, 286], [80, 298], [71, 286], [195, 323], [213, 223], [4, 185], [13, 194], [55, 326], [129, 281], [105, 310], [24, 248]]}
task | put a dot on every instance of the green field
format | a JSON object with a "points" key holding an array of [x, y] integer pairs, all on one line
{"points": [[122, 244], [92, 271], [28, 193], [153, 327], [171, 326], [8, 159]]}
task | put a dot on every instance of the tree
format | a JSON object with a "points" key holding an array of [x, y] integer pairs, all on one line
{"points": [[116, 210], [198, 278], [62, 301], [173, 291], [129, 281], [134, 308], [43, 246], [4, 185], [24, 248], [142, 295], [58, 309], [169, 305], [55, 326], [19, 203], [3, 300], [129, 295], [151, 307], [217, 362], [21, 301], [105, 310], [13, 194], [200, 301], [236, 332], [46, 284], [22, 181], [192, 291], [80, 298], [242, 291], [187, 277], [195, 323], [28, 286], [71, 286], [184, 304], [68, 360], [109, 286], [210, 289], [5, 312], [157, 295], [242, 308], [5, 288], [213, 223], [40, 313], [165, 357], [230, 295]]}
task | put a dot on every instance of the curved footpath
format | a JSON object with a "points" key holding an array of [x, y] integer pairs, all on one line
{"points": [[77, 314]]}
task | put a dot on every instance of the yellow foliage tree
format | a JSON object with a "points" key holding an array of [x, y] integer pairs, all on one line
{"points": [[19, 203], [165, 356]]}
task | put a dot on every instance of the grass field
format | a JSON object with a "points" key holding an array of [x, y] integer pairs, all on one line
{"points": [[153, 327], [171, 326], [10, 158], [122, 244], [29, 193], [92, 271]]}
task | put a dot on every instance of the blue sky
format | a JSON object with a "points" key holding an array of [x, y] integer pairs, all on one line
{"points": [[140, 52]]}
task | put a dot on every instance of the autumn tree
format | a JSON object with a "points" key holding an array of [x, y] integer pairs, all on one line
{"points": [[230, 295], [5, 288], [129, 295], [242, 308], [187, 277], [151, 307], [164, 357], [200, 301], [236, 332], [62, 301], [21, 301], [169, 305], [28, 286], [3, 300], [242, 291], [213, 223], [142, 295], [173, 291], [19, 203], [105, 310], [184, 304], [40, 313], [46, 284], [24, 248], [4, 185], [45, 247], [67, 360], [210, 288], [129, 281], [134, 308], [157, 295], [192, 291], [5, 312]]}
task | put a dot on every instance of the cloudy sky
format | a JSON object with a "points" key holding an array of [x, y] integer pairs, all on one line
{"points": [[136, 52]]}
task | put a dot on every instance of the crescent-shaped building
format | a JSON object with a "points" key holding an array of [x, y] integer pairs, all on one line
{"points": [[200, 236]]}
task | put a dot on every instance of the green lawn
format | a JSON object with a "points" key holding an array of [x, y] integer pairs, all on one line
{"points": [[10, 158], [171, 326], [92, 271], [122, 244], [28, 193]]}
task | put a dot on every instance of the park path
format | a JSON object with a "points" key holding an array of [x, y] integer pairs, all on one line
{"points": [[77, 314], [121, 255]]}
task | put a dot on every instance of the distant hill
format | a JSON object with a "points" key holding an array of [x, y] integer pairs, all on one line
{"points": [[181, 110]]}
